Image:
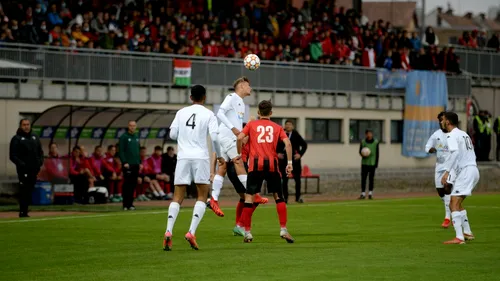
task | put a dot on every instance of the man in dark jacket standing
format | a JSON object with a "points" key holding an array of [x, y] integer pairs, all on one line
{"points": [[129, 147], [27, 154], [299, 147]]}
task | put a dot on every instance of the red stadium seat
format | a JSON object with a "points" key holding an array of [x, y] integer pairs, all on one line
{"points": [[307, 174]]}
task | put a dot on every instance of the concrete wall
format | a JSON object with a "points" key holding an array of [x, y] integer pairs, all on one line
{"points": [[319, 156]]}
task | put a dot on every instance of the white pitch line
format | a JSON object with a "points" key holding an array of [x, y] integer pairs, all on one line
{"points": [[188, 209]]}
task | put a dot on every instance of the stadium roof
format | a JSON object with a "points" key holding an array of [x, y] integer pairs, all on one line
{"points": [[17, 65], [96, 123]]}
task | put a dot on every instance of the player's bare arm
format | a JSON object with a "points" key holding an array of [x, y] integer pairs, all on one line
{"points": [[288, 148], [240, 141]]}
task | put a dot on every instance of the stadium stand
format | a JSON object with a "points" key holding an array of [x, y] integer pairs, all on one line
{"points": [[320, 33]]}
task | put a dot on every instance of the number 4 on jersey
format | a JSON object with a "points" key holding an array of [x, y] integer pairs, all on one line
{"points": [[191, 119]]}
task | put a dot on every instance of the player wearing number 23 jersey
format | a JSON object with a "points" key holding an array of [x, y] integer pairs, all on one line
{"points": [[264, 135]]}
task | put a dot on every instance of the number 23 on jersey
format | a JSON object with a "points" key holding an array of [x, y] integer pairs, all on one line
{"points": [[265, 134]]}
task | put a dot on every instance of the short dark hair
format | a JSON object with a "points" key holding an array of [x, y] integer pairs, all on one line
{"points": [[97, 146], [265, 107], [170, 148], [110, 147], [130, 121], [143, 147], [452, 117], [22, 120], [441, 114], [198, 92], [368, 131], [76, 147], [158, 148], [240, 80], [289, 121]]}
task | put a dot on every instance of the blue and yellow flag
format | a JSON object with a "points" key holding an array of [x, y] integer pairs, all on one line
{"points": [[426, 96]]}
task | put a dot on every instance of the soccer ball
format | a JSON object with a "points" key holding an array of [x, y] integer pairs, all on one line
{"points": [[365, 151], [251, 62]]}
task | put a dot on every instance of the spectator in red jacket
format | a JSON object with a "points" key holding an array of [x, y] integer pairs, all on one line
{"points": [[112, 172], [56, 169], [80, 175], [99, 164], [149, 179], [369, 57], [405, 59]]}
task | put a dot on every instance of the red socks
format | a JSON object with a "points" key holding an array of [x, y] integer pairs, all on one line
{"points": [[246, 216], [239, 211], [281, 209]]}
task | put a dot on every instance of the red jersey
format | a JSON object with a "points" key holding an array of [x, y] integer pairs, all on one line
{"points": [[245, 150], [263, 136]]}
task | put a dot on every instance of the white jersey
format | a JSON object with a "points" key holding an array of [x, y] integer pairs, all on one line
{"points": [[233, 108], [459, 142], [438, 140], [190, 127]]}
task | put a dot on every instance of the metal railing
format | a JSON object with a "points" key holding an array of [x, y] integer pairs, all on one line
{"points": [[150, 69], [481, 63]]}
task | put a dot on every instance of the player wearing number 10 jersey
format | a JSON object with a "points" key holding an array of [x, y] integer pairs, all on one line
{"points": [[263, 136], [462, 160]]}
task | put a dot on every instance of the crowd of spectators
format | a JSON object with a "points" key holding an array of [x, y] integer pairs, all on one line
{"points": [[105, 170], [320, 33], [478, 40]]}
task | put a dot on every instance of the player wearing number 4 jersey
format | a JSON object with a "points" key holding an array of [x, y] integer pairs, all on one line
{"points": [[231, 113], [463, 161], [263, 136], [190, 128]]}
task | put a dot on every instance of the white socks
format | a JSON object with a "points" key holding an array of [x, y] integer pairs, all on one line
{"points": [[198, 212], [162, 193], [173, 211], [457, 224], [370, 192], [446, 200], [156, 193], [243, 179], [217, 187], [465, 222]]}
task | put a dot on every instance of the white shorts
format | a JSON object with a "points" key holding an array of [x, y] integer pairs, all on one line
{"points": [[466, 181], [188, 171], [439, 174], [228, 149]]}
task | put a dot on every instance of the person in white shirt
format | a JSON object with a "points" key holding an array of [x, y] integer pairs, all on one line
{"points": [[462, 159], [231, 114], [190, 128], [437, 144]]}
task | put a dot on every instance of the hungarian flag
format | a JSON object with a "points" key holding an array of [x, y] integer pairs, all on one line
{"points": [[182, 72]]}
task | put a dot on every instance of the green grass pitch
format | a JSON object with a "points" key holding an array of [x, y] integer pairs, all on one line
{"points": [[399, 239]]}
